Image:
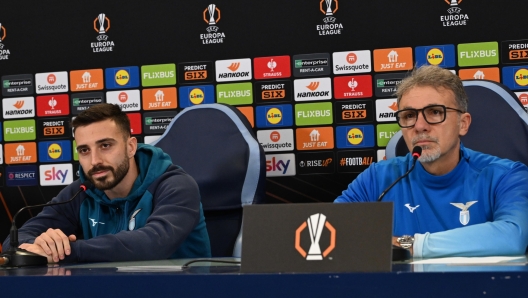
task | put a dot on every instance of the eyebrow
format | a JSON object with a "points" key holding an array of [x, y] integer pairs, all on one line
{"points": [[106, 140], [432, 104]]}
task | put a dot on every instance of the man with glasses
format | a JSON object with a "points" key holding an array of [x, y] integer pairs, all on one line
{"points": [[456, 201]]}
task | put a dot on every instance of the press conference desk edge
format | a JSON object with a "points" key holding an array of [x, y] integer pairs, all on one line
{"points": [[212, 280]]}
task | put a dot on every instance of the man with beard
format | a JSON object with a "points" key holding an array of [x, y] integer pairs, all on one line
{"points": [[432, 206], [141, 206]]}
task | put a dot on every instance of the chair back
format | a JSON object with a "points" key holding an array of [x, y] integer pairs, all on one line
{"points": [[215, 144]]}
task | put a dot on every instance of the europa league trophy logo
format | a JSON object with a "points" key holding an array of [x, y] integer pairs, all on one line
{"points": [[211, 8], [328, 7], [316, 223], [315, 226], [101, 19], [328, 11], [99, 26]]}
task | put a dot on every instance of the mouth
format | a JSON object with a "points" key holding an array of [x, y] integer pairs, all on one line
{"points": [[99, 174], [423, 142]]}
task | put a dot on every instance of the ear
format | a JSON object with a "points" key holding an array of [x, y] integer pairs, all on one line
{"points": [[465, 122], [131, 147]]}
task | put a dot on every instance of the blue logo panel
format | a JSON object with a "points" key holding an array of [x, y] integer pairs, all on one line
{"points": [[1, 132], [21, 175], [515, 77], [357, 136], [274, 116], [427, 55], [55, 151], [122, 77], [196, 95]]}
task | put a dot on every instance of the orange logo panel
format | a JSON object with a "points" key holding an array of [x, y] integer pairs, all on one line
{"points": [[16, 153], [315, 138], [87, 79], [490, 73], [248, 112], [395, 59], [160, 98]]}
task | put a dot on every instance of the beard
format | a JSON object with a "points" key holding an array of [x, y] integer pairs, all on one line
{"points": [[429, 153], [106, 183]]}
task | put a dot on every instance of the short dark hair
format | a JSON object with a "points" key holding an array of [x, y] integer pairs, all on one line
{"points": [[436, 77], [101, 112]]}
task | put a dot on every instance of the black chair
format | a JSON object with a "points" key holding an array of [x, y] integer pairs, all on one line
{"points": [[216, 145], [499, 123]]}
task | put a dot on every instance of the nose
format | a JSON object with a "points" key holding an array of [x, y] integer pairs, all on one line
{"points": [[421, 124], [95, 158]]}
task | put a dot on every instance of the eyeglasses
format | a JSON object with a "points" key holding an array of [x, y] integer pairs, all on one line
{"points": [[432, 114]]}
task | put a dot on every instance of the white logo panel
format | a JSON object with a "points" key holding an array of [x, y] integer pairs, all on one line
{"points": [[385, 109], [352, 62], [127, 100], [313, 89], [18, 107], [276, 139], [1, 155], [51, 82], [233, 70], [280, 165], [56, 174]]}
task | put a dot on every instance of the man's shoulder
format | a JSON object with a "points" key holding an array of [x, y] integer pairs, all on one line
{"points": [[174, 176], [480, 161]]}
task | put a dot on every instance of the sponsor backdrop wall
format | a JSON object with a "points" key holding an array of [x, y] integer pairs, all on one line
{"points": [[314, 77]]}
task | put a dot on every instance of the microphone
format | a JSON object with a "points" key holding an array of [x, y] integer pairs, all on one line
{"points": [[17, 257], [416, 152]]}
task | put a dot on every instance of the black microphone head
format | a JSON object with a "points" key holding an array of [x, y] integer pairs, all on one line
{"points": [[86, 184], [416, 152]]}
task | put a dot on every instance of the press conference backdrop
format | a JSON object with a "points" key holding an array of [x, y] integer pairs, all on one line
{"points": [[314, 77]]}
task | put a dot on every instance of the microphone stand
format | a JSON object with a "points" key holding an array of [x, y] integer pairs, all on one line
{"points": [[18, 257], [400, 253]]}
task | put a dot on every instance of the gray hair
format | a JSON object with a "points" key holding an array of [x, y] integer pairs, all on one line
{"points": [[436, 77]]}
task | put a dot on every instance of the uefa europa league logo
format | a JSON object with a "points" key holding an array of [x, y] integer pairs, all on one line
{"points": [[316, 223]]}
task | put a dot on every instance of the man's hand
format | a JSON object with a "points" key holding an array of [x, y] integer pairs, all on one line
{"points": [[36, 250], [53, 244], [396, 243]]}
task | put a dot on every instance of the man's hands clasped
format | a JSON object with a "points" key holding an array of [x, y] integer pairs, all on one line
{"points": [[52, 244]]}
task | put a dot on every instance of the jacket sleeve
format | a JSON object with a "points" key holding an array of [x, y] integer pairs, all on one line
{"points": [[176, 211], [63, 217], [361, 189], [506, 234]]}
